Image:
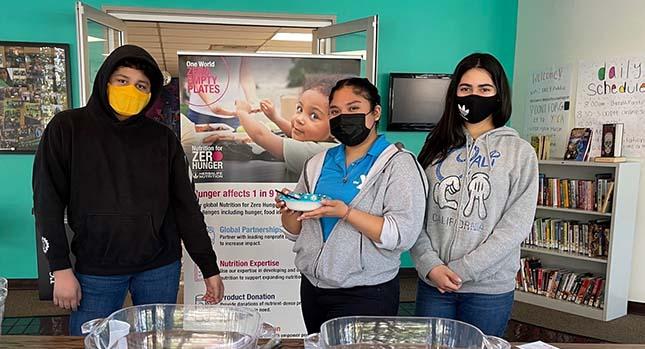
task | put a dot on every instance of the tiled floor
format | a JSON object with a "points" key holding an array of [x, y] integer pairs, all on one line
{"points": [[28, 325], [406, 309], [44, 326]]}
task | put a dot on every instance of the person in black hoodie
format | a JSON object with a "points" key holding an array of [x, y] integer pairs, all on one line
{"points": [[123, 181]]}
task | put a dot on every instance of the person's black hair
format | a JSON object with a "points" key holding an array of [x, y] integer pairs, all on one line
{"points": [[361, 87], [138, 64], [449, 132]]}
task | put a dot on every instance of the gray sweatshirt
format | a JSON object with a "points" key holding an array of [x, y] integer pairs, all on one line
{"points": [[395, 188], [481, 207]]}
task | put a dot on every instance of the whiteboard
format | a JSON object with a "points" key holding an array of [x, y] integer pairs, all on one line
{"points": [[613, 91], [547, 110]]}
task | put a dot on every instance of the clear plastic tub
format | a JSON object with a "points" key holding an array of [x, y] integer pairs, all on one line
{"points": [[179, 326], [401, 333]]}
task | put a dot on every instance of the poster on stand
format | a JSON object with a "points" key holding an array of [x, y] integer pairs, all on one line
{"points": [[239, 128]]}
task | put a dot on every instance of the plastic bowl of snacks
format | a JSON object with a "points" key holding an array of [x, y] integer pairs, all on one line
{"points": [[401, 333], [179, 326], [303, 202]]}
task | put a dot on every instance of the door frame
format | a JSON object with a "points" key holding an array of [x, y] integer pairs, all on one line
{"points": [[116, 27], [125, 13], [322, 43], [325, 28]]}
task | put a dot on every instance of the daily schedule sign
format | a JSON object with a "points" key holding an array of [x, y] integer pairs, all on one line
{"points": [[613, 91]]}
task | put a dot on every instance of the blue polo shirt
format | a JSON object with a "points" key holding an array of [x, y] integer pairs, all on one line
{"points": [[342, 182]]}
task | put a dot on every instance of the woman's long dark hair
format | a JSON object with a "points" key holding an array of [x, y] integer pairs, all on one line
{"points": [[449, 133]]}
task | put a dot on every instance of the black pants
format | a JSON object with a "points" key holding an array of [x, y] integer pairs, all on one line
{"points": [[322, 304]]}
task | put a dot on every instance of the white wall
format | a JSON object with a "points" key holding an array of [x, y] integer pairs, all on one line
{"points": [[567, 31]]}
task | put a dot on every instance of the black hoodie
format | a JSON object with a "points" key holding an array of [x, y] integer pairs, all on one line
{"points": [[125, 186]]}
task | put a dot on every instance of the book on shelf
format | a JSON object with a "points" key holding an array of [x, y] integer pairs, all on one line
{"points": [[542, 146], [579, 144], [610, 159], [612, 140], [580, 288], [607, 198], [581, 194], [535, 143], [589, 239], [604, 191]]}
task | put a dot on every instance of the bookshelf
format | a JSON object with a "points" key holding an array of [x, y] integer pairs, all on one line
{"points": [[573, 210], [615, 268], [560, 305], [551, 252]]}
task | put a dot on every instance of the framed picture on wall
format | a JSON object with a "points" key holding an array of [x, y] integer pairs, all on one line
{"points": [[34, 86]]}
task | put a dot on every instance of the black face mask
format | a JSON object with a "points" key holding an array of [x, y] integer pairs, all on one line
{"points": [[350, 129], [474, 108]]}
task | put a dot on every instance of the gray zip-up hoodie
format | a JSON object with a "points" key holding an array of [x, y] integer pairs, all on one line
{"points": [[481, 207], [396, 189]]}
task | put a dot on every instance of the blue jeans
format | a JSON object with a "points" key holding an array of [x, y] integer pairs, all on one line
{"points": [[103, 295], [488, 312], [199, 118]]}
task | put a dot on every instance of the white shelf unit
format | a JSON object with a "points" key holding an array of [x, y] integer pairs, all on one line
{"points": [[552, 252], [616, 268], [574, 210]]}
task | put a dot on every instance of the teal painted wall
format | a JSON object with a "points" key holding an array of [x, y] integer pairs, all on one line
{"points": [[17, 239], [414, 36]]}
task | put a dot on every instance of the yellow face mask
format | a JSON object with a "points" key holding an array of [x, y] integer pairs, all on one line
{"points": [[127, 100]]}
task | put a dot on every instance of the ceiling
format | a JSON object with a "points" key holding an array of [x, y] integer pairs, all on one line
{"points": [[163, 40]]}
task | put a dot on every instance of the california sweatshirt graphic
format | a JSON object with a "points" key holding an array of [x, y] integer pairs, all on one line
{"points": [[481, 207]]}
